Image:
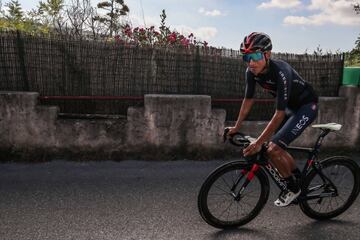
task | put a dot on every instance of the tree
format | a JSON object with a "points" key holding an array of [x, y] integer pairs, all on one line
{"points": [[115, 10], [357, 8], [15, 13], [1, 10], [352, 58], [50, 15], [79, 13]]}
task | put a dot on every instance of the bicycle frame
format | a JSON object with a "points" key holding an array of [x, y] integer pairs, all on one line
{"points": [[311, 163]]}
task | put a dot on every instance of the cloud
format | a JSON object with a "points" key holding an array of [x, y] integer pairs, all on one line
{"points": [[339, 12], [280, 4], [213, 13], [202, 33], [138, 21]]}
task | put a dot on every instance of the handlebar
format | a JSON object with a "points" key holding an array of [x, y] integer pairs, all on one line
{"points": [[238, 139]]}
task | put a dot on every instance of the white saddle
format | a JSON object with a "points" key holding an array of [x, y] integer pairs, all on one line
{"points": [[331, 126]]}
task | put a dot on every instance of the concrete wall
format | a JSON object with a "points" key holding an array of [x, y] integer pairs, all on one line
{"points": [[169, 126]]}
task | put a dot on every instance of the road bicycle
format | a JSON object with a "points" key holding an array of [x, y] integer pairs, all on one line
{"points": [[235, 193]]}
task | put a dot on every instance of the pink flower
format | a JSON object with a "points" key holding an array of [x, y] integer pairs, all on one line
{"points": [[118, 39], [185, 42], [128, 32], [172, 37]]}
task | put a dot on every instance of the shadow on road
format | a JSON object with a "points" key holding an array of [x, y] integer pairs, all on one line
{"points": [[237, 232], [327, 229]]}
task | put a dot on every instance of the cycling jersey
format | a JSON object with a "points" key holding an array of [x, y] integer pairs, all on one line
{"points": [[284, 83]]}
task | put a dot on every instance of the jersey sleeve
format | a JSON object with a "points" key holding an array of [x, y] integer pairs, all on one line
{"points": [[282, 91], [250, 85]]}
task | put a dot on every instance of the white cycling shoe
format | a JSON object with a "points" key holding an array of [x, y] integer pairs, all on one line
{"points": [[285, 198]]}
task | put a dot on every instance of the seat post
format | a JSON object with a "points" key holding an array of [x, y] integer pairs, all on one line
{"points": [[321, 137]]}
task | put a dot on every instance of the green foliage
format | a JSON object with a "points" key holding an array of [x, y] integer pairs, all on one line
{"points": [[15, 12], [352, 58], [49, 13], [16, 19]]}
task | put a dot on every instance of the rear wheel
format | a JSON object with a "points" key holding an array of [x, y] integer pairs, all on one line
{"points": [[219, 203], [329, 196]]}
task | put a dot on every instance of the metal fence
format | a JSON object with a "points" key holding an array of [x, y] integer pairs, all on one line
{"points": [[59, 67]]}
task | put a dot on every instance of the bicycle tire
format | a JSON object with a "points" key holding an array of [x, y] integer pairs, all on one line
{"points": [[331, 168], [205, 209]]}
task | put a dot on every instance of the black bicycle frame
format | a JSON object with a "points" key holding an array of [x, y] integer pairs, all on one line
{"points": [[278, 179]]}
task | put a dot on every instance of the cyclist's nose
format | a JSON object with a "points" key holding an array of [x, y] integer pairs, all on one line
{"points": [[252, 62]]}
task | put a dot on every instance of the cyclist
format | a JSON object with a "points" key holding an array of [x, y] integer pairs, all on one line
{"points": [[296, 107]]}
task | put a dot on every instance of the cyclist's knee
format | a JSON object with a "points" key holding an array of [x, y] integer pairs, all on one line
{"points": [[274, 151]]}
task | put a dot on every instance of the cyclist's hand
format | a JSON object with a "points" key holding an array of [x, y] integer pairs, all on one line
{"points": [[232, 131], [253, 148]]}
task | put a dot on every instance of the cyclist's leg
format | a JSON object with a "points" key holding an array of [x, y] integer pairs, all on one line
{"points": [[292, 129], [282, 160], [279, 157]]}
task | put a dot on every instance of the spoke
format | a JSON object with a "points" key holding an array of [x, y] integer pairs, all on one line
{"points": [[236, 176], [328, 205], [222, 178], [218, 194], [320, 206], [250, 194], [246, 203], [237, 210], [226, 209], [339, 197], [229, 211], [221, 189]]}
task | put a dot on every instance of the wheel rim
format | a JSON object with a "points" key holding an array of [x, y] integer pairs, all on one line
{"points": [[222, 202], [342, 177]]}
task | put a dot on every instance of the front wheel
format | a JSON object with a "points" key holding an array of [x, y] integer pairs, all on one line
{"points": [[220, 202], [330, 194]]}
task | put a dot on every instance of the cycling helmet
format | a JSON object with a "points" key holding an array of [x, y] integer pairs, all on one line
{"points": [[256, 41]]}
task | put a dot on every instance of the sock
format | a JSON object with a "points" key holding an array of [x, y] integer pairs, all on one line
{"points": [[291, 184], [296, 172]]}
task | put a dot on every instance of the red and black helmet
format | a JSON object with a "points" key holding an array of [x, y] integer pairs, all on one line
{"points": [[256, 41]]}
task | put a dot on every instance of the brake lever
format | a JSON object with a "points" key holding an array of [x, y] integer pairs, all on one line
{"points": [[226, 130]]}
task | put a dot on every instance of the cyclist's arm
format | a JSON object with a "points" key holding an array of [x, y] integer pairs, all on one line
{"points": [[244, 111], [248, 100]]}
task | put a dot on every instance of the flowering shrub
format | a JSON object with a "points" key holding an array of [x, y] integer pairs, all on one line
{"points": [[150, 37], [163, 38]]}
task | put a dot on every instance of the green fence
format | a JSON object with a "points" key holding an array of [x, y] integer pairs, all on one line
{"points": [[351, 76]]}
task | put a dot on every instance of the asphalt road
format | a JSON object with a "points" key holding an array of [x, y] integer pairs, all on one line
{"points": [[137, 200]]}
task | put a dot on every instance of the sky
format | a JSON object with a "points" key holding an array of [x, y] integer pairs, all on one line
{"points": [[294, 26]]}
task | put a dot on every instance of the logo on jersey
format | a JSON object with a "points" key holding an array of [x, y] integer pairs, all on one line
{"points": [[283, 78], [299, 82], [313, 107], [300, 125]]}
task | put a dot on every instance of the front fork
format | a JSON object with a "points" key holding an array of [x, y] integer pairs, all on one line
{"points": [[249, 176]]}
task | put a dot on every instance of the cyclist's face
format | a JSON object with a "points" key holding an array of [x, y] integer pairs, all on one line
{"points": [[257, 66]]}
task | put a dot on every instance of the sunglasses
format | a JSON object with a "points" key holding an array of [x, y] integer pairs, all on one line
{"points": [[256, 56]]}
